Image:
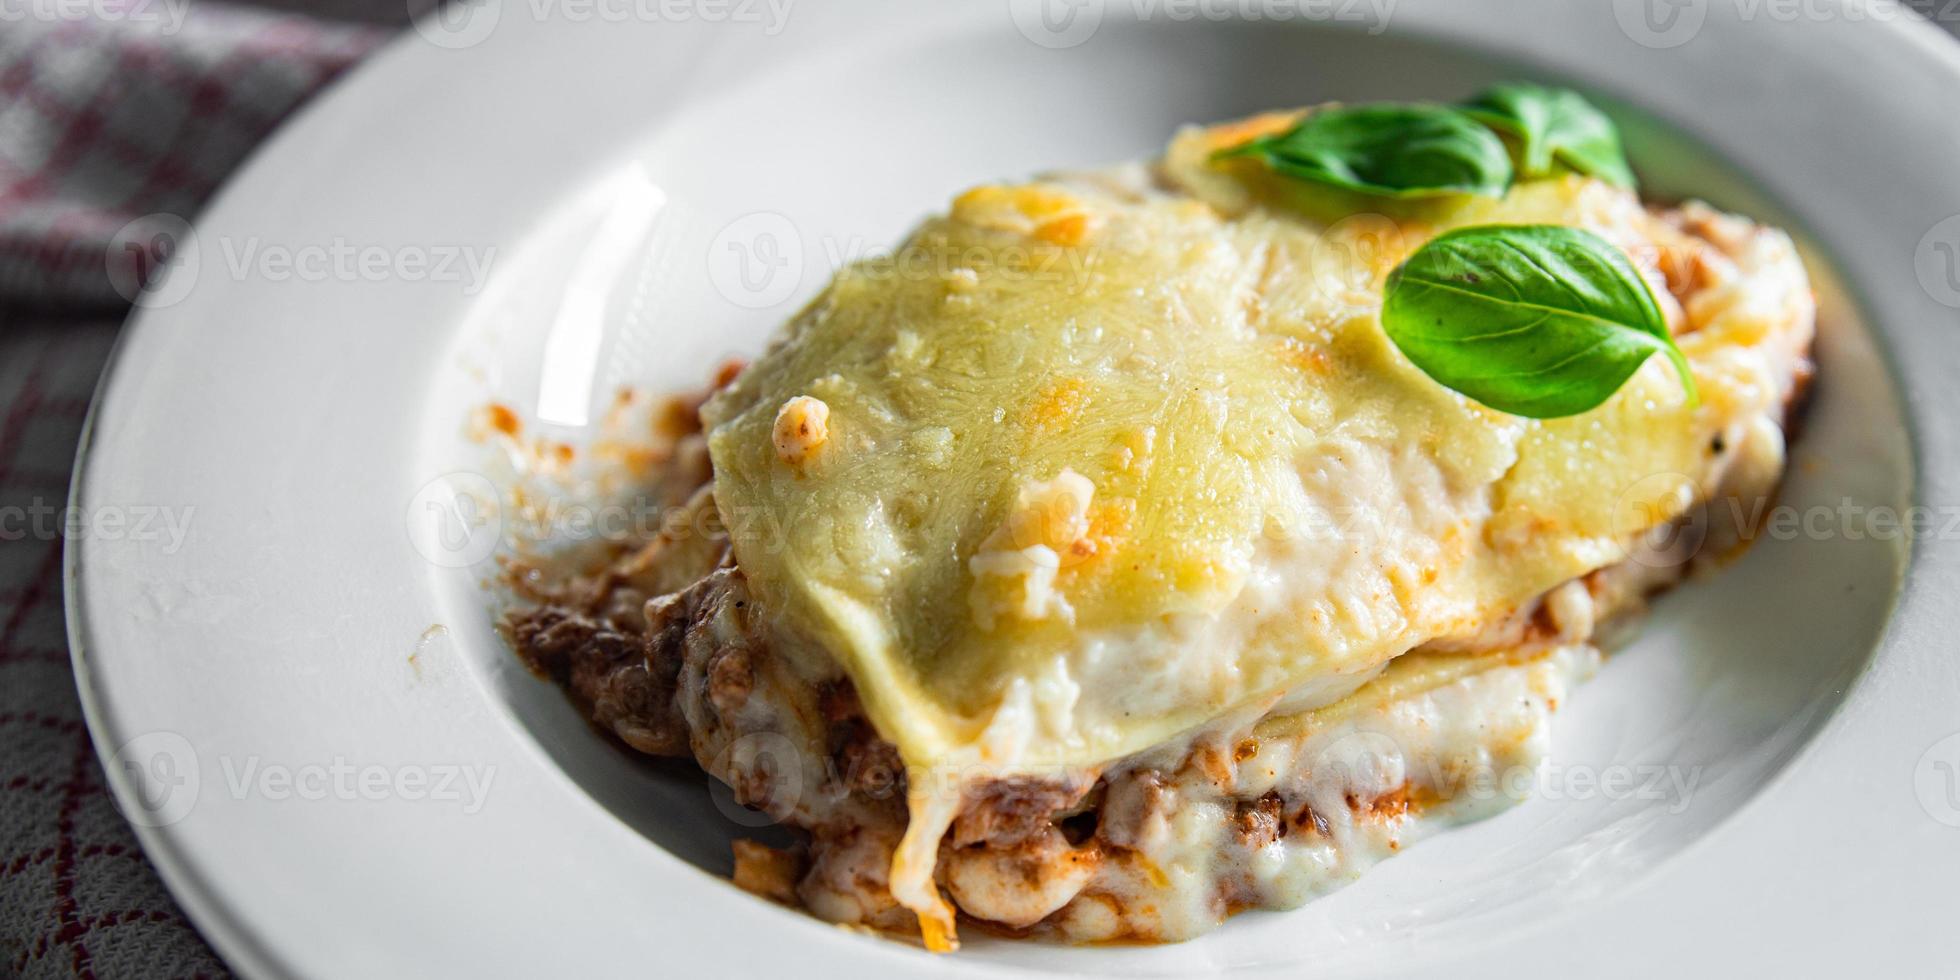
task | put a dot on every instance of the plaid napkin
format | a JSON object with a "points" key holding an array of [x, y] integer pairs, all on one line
{"points": [[112, 112], [141, 110]]}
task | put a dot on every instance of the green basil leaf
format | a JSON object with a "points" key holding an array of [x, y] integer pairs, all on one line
{"points": [[1388, 150], [1554, 124], [1542, 321]]}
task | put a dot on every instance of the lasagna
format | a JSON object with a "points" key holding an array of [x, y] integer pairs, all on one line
{"points": [[1103, 569]]}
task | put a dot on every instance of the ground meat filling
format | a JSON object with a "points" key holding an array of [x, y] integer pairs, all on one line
{"points": [[1009, 812], [613, 676], [1261, 821]]}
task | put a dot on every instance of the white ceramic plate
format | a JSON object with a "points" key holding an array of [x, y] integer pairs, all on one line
{"points": [[297, 740]]}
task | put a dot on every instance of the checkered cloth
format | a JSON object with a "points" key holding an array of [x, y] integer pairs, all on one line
{"points": [[104, 119]]}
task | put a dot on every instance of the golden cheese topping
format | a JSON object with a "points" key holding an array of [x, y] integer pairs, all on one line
{"points": [[1105, 461]]}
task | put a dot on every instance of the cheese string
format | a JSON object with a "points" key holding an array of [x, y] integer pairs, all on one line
{"points": [[932, 809]]}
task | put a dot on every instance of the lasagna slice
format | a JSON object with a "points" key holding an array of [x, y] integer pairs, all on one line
{"points": [[1094, 567]]}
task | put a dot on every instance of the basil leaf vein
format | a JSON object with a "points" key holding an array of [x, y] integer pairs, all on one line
{"points": [[1554, 124], [1542, 321], [1389, 150]]}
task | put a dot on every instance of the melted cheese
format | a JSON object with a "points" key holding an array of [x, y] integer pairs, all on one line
{"points": [[1441, 740], [1117, 461]]}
